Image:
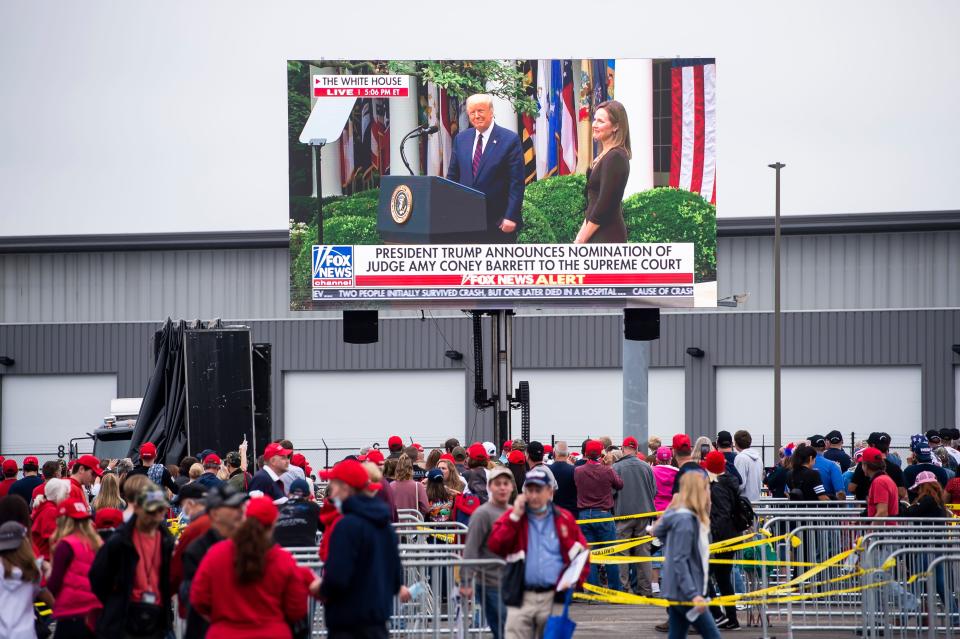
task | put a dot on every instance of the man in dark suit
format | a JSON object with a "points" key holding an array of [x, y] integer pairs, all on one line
{"points": [[487, 157]]}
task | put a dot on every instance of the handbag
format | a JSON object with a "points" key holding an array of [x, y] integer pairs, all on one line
{"points": [[561, 626], [511, 589], [143, 619]]}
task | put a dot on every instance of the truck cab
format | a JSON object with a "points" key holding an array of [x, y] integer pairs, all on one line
{"points": [[112, 439]]}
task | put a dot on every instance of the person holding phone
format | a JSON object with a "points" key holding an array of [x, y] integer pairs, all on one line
{"points": [[685, 532]]}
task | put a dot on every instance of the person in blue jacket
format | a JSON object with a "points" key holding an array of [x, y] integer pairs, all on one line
{"points": [[363, 571], [830, 473]]}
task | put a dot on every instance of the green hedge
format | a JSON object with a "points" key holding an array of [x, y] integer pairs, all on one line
{"points": [[560, 202], [666, 214]]}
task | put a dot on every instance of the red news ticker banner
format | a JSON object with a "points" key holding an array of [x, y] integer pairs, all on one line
{"points": [[361, 86], [527, 279]]}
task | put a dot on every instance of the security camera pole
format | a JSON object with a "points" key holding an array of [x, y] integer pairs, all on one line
{"points": [[776, 166]]}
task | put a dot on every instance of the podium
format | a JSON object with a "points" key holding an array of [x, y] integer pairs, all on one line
{"points": [[430, 210]]}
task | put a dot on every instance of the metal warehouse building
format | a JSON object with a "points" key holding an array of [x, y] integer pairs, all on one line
{"points": [[870, 319]]}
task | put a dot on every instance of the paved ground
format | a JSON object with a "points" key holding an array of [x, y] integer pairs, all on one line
{"points": [[608, 621]]}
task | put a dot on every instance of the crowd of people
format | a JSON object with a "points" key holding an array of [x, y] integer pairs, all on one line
{"points": [[114, 547]]}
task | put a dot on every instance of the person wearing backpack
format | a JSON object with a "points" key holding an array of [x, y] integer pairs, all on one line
{"points": [[724, 506]]}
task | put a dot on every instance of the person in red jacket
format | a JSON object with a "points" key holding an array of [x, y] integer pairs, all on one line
{"points": [[45, 517], [10, 471], [75, 544], [558, 541], [247, 586], [84, 473]]}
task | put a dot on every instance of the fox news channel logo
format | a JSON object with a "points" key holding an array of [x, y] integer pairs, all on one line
{"points": [[332, 266]]}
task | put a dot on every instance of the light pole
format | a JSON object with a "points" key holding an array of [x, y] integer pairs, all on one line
{"points": [[777, 347]]}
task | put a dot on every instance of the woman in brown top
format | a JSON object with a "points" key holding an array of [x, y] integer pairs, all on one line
{"points": [[607, 177]]}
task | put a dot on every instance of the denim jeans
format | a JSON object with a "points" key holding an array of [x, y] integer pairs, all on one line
{"points": [[679, 625], [603, 531], [493, 608]]}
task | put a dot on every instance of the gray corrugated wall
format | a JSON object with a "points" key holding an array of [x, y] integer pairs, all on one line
{"points": [[857, 338], [845, 271]]}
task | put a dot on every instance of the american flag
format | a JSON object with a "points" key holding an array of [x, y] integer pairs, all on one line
{"points": [[693, 158]]}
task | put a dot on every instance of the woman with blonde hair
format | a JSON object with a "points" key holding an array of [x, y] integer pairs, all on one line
{"points": [[701, 448], [607, 177], [109, 495], [407, 493], [452, 480], [684, 530], [75, 544], [19, 582]]}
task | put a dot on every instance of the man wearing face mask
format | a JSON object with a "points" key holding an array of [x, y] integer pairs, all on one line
{"points": [[546, 538], [363, 571]]}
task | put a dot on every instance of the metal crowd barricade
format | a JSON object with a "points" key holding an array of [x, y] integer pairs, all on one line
{"points": [[839, 599], [944, 572]]}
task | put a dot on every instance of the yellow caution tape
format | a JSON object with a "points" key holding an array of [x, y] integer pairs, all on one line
{"points": [[621, 517], [611, 550]]}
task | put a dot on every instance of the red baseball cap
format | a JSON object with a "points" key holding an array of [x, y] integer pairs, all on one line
{"points": [[594, 448], [272, 450], [418, 447], [448, 457], [872, 454], [395, 442], [74, 508], [107, 518], [90, 462], [375, 456], [212, 458], [10, 465], [299, 461], [630, 442], [548, 449], [516, 457], [350, 472], [477, 452], [148, 450], [263, 510], [681, 442], [714, 462], [508, 445], [31, 460]]}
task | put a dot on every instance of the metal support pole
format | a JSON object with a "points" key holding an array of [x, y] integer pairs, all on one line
{"points": [[777, 338], [318, 144], [501, 371]]}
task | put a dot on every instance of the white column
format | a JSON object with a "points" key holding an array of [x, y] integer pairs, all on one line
{"points": [[329, 154], [503, 111], [634, 89], [404, 114]]}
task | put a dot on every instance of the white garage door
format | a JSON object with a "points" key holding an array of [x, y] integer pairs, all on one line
{"points": [[571, 404], [859, 399], [42, 412], [349, 410]]}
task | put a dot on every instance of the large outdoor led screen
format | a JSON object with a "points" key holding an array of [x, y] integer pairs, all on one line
{"points": [[499, 183]]}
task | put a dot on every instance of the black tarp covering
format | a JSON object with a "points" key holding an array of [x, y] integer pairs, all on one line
{"points": [[163, 411]]}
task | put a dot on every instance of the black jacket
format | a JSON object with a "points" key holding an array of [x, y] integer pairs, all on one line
{"points": [[197, 626], [112, 576], [363, 571], [566, 495], [724, 494]]}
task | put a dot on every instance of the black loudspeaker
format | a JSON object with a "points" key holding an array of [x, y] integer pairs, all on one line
{"points": [[360, 327], [641, 324], [262, 399]]}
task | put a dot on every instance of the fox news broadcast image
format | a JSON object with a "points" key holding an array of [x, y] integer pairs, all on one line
{"points": [[498, 183]]}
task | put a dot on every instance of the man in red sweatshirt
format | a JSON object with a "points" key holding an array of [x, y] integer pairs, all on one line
{"points": [[546, 538]]}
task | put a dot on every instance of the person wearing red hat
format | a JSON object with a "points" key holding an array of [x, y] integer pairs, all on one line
{"points": [[384, 491], [45, 517], [130, 574], [276, 461], [75, 545], [724, 502], [30, 480], [248, 586], [10, 471], [476, 473], [156, 472], [683, 453], [517, 463], [395, 445], [636, 497], [883, 498], [106, 521], [363, 572], [84, 473], [596, 484], [211, 466]]}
